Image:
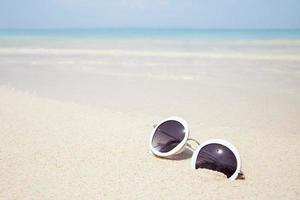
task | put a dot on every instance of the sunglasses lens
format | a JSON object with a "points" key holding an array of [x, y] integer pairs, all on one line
{"points": [[168, 135], [217, 157]]}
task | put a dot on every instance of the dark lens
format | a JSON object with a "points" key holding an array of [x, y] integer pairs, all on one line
{"points": [[168, 135], [217, 157]]}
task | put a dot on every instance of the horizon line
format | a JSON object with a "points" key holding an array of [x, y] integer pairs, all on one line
{"points": [[142, 28]]}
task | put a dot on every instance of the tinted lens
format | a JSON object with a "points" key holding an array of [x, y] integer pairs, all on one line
{"points": [[168, 135], [217, 157]]}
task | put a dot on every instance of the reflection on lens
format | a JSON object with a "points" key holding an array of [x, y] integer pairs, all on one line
{"points": [[217, 157], [168, 135]]}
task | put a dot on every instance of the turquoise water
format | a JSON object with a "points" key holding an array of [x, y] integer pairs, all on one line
{"points": [[185, 34]]}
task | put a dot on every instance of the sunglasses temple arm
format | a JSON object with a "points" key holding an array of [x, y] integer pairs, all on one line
{"points": [[190, 147], [194, 140], [241, 175]]}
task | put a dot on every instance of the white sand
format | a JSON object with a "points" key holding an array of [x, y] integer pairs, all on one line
{"points": [[57, 150], [78, 123]]}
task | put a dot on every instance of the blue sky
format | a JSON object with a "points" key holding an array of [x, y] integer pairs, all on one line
{"points": [[150, 13]]}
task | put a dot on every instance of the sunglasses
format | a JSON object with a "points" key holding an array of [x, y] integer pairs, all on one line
{"points": [[171, 135]]}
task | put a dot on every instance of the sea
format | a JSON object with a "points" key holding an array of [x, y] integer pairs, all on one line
{"points": [[146, 69], [155, 34]]}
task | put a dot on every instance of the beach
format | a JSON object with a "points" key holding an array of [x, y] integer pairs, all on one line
{"points": [[76, 116]]}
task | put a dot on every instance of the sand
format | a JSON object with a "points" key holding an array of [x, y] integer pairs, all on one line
{"points": [[75, 123], [58, 150]]}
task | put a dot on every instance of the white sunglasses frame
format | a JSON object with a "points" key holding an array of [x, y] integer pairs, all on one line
{"points": [[183, 144], [180, 147], [226, 144]]}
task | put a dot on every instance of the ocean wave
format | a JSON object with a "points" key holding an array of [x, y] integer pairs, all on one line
{"points": [[167, 54]]}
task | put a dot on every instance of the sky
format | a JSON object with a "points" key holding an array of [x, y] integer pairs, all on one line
{"points": [[206, 14]]}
